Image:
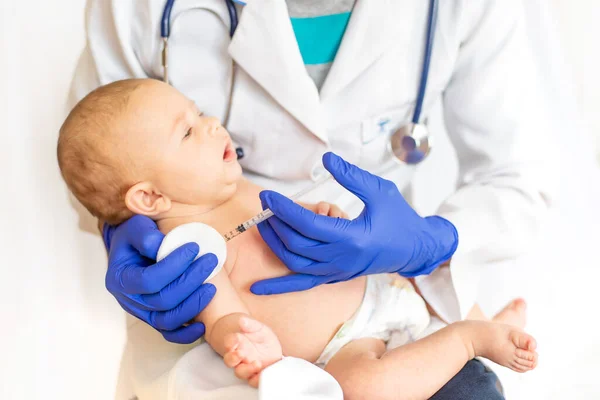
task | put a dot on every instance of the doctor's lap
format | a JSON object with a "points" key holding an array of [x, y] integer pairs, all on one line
{"points": [[286, 104]]}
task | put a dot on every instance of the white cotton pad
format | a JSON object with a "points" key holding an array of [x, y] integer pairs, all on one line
{"points": [[207, 238]]}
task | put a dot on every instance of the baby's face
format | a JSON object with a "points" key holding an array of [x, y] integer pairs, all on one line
{"points": [[188, 156]]}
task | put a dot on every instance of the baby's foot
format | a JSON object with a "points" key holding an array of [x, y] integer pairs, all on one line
{"points": [[252, 350], [515, 314], [506, 345]]}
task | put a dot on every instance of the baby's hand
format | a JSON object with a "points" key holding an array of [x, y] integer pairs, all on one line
{"points": [[327, 209], [252, 350], [330, 210]]}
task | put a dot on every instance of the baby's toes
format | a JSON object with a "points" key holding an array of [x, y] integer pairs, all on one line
{"points": [[246, 370], [525, 355], [525, 359], [517, 367], [523, 340], [530, 343]]}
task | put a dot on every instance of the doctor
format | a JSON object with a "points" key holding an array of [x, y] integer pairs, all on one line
{"points": [[298, 79]]}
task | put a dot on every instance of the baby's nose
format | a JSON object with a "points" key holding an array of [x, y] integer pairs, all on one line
{"points": [[214, 126]]}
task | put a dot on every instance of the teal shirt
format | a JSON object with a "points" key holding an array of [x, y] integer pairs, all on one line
{"points": [[319, 26]]}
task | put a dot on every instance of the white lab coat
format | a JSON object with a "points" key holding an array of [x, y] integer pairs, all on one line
{"points": [[481, 71]]}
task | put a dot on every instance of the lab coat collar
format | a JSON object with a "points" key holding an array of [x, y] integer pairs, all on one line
{"points": [[374, 27], [265, 46]]}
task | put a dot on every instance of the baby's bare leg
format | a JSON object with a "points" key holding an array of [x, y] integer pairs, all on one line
{"points": [[413, 371], [476, 314], [514, 313], [354, 365], [419, 369]]}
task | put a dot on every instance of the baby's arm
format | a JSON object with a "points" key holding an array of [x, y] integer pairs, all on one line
{"points": [[223, 312], [246, 345]]}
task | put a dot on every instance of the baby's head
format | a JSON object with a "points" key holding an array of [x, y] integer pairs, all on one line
{"points": [[140, 147]]}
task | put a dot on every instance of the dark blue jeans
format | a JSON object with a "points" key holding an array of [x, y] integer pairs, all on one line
{"points": [[473, 382]]}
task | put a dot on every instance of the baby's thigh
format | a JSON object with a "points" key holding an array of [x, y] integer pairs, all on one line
{"points": [[355, 365]]}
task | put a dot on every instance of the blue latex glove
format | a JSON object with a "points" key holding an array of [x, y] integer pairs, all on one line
{"points": [[165, 295], [388, 236]]}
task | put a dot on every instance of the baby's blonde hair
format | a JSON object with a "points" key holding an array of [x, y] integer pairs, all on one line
{"points": [[87, 150]]}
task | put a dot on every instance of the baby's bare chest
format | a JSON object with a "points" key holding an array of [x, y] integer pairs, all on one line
{"points": [[315, 313]]}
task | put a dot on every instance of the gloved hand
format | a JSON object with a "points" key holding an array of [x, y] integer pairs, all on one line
{"points": [[166, 294], [388, 236]]}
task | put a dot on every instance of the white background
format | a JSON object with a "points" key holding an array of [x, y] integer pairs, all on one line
{"points": [[62, 334], [578, 23]]}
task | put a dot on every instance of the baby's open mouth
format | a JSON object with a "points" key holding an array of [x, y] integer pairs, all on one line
{"points": [[229, 153]]}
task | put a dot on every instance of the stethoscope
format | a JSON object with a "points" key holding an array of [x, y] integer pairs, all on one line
{"points": [[409, 144]]}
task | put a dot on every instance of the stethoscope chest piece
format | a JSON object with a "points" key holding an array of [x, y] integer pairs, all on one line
{"points": [[411, 143]]}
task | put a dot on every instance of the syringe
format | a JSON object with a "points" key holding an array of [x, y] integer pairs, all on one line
{"points": [[267, 213]]}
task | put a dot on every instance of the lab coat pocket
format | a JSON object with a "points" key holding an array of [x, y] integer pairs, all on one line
{"points": [[375, 151], [376, 133]]}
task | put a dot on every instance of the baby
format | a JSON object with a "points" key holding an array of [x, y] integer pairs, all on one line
{"points": [[141, 147]]}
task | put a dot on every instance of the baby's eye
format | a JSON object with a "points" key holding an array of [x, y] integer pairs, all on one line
{"points": [[188, 134]]}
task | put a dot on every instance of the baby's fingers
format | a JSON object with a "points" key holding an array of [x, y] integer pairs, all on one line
{"points": [[232, 359], [336, 212], [330, 210], [339, 213], [323, 208], [245, 371], [253, 381]]}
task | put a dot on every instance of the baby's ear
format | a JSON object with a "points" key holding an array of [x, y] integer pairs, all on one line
{"points": [[145, 199]]}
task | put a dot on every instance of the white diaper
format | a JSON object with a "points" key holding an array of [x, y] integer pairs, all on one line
{"points": [[391, 310]]}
